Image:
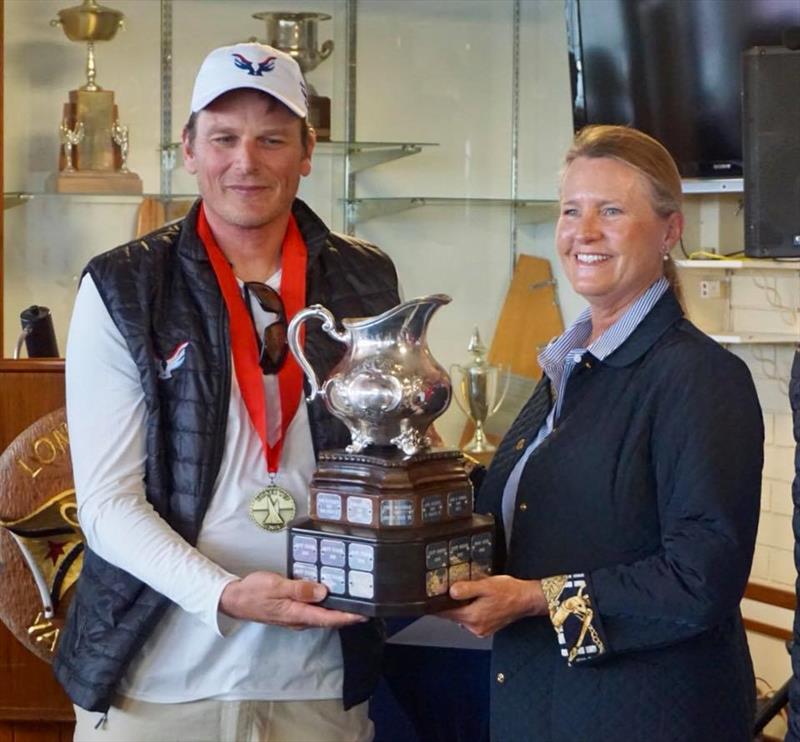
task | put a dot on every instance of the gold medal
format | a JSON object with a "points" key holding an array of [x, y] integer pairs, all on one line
{"points": [[273, 508]]}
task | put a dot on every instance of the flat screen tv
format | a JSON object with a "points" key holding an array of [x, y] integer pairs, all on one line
{"points": [[673, 69]]}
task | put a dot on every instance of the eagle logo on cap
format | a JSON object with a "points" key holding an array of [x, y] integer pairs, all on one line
{"points": [[243, 63]]}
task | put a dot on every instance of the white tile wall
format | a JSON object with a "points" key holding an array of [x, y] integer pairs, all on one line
{"points": [[766, 496], [781, 499]]}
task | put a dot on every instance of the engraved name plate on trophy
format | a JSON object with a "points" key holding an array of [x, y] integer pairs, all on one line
{"points": [[296, 34], [94, 143], [391, 523]]}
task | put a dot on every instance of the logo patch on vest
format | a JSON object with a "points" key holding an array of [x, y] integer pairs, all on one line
{"points": [[173, 361]]}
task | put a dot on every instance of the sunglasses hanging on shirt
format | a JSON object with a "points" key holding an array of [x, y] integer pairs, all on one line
{"points": [[272, 346]]}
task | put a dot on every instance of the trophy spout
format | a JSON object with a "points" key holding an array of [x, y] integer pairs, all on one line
{"points": [[406, 323]]}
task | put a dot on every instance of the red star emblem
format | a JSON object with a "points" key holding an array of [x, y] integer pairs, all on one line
{"points": [[55, 549]]}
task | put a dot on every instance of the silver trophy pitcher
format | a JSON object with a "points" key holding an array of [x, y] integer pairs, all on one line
{"points": [[481, 389], [388, 388]]}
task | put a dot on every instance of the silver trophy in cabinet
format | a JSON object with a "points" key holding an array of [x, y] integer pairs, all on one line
{"points": [[480, 390], [296, 34]]}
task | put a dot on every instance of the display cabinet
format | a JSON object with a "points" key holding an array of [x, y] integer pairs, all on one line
{"points": [[477, 92], [446, 125]]}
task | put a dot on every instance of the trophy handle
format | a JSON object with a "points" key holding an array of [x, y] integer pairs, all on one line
{"points": [[455, 367], [496, 407], [293, 337], [325, 50]]}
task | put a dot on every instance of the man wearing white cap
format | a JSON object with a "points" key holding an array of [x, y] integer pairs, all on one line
{"points": [[193, 447]]}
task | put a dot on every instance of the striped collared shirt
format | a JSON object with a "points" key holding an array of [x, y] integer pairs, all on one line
{"points": [[558, 360]]}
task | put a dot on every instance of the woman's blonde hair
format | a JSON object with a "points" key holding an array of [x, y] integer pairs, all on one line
{"points": [[646, 155]]}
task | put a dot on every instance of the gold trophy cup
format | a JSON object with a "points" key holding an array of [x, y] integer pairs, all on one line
{"points": [[93, 158]]}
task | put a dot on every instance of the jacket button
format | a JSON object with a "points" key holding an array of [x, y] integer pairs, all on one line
{"points": [[501, 678], [587, 364], [520, 444], [523, 507]]}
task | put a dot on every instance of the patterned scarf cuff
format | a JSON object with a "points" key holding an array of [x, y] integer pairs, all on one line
{"points": [[574, 618]]}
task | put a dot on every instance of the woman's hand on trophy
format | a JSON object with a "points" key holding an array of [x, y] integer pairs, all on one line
{"points": [[267, 597], [495, 602]]}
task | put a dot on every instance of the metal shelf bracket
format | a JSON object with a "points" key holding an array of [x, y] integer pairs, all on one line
{"points": [[361, 159], [362, 210]]}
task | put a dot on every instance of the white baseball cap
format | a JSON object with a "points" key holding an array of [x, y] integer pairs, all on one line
{"points": [[255, 66]]}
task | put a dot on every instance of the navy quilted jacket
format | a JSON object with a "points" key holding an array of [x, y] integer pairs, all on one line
{"points": [[650, 485]]}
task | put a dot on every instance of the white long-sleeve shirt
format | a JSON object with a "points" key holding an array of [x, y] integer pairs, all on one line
{"points": [[194, 652]]}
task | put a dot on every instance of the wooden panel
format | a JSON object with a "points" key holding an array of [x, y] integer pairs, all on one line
{"points": [[771, 595], [28, 689], [530, 318], [29, 389], [2, 190], [776, 632], [37, 732]]}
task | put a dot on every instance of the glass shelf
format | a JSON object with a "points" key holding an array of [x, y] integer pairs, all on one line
{"points": [[712, 185], [13, 199], [790, 264], [362, 155], [529, 211]]}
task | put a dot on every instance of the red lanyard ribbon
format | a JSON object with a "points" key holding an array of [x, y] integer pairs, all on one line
{"points": [[243, 341]]}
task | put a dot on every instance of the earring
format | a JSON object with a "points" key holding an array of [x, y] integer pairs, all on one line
{"points": [[665, 256]]}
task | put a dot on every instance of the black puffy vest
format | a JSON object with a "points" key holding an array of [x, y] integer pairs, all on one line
{"points": [[161, 291]]}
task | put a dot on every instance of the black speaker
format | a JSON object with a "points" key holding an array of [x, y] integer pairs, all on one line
{"points": [[771, 146]]}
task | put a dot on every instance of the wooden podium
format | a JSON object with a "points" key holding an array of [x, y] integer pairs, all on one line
{"points": [[32, 704]]}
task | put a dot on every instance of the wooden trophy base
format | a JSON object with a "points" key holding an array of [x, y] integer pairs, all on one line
{"points": [[388, 534], [94, 181], [319, 116], [387, 490], [380, 573]]}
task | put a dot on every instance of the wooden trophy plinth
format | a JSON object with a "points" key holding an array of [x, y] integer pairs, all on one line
{"points": [[97, 163], [388, 534], [390, 491], [94, 181], [319, 116]]}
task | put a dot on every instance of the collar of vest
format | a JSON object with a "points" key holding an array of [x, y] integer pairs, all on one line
{"points": [[658, 320], [313, 229]]}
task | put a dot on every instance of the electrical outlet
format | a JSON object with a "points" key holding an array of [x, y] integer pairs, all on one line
{"points": [[710, 289]]}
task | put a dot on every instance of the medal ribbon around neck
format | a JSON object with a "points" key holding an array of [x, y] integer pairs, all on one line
{"points": [[243, 341]]}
